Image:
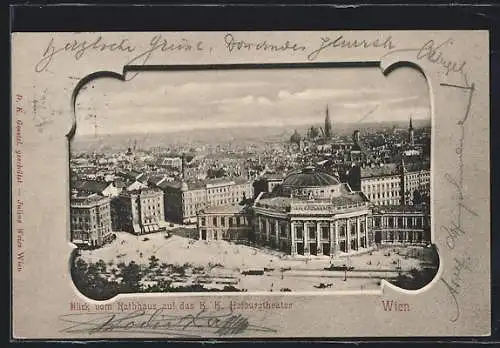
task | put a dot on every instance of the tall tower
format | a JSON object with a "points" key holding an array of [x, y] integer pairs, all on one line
{"points": [[411, 139], [328, 124]]}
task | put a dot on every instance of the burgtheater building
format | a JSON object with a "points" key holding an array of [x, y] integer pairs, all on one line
{"points": [[313, 213]]}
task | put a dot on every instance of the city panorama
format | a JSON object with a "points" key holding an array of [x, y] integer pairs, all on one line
{"points": [[251, 181]]}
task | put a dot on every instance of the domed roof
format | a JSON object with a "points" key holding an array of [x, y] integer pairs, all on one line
{"points": [[309, 177]]}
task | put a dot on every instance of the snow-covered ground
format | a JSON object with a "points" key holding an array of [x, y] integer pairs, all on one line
{"points": [[302, 274], [178, 250]]}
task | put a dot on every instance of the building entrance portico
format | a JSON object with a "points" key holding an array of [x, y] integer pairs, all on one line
{"points": [[327, 237], [319, 213]]}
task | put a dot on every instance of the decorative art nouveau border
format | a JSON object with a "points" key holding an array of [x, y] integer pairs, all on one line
{"points": [[49, 68]]}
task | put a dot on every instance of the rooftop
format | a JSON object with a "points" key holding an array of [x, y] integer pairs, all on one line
{"points": [[155, 178], [384, 170], [225, 209], [346, 199], [145, 190], [273, 176], [88, 200], [416, 166], [202, 184], [398, 209], [309, 177], [275, 202], [170, 184], [93, 186], [129, 174]]}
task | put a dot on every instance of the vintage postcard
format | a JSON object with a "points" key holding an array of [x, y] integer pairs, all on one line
{"points": [[250, 184]]}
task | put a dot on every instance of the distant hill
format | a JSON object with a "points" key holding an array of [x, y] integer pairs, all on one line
{"points": [[197, 137], [194, 138]]}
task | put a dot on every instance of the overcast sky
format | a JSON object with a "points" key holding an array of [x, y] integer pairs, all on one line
{"points": [[173, 101]]}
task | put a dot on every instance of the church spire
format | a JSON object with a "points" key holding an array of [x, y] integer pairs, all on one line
{"points": [[328, 124], [411, 135]]}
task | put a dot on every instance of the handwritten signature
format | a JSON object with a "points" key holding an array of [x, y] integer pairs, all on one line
{"points": [[159, 322]]}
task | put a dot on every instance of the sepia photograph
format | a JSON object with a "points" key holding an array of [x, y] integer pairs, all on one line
{"points": [[298, 179], [273, 185]]}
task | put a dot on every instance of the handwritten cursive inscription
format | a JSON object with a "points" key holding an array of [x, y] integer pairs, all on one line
{"points": [[454, 285], [78, 49], [159, 44], [433, 52], [158, 322], [232, 44], [455, 229], [342, 42]]}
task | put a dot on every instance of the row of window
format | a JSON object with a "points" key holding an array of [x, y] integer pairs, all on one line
{"points": [[225, 235], [383, 179], [195, 193], [150, 220], [227, 189], [424, 177], [307, 190], [154, 213], [386, 201], [87, 235], [325, 231], [222, 196], [383, 195], [283, 230], [417, 176], [203, 198], [230, 221], [218, 190], [412, 236], [399, 222], [379, 187], [192, 209], [90, 227], [151, 207], [83, 226], [151, 200], [78, 219]]}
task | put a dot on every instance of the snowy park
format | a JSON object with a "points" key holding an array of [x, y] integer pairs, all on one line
{"points": [[180, 262]]}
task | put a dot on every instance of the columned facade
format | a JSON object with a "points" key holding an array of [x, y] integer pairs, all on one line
{"points": [[313, 214], [314, 236]]}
